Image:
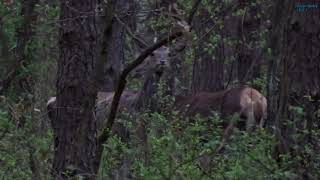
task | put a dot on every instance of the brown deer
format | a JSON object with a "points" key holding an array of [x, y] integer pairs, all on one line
{"points": [[151, 69], [249, 103]]}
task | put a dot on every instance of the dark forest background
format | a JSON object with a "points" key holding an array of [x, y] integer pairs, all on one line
{"points": [[156, 50]]}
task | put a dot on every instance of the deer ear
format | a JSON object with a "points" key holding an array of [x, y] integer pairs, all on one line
{"points": [[51, 109]]}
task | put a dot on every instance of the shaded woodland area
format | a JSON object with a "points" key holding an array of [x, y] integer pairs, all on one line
{"points": [[159, 89]]}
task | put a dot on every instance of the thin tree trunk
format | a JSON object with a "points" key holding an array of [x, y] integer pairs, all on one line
{"points": [[208, 67], [274, 42], [248, 45], [24, 35], [115, 60], [276, 103]]}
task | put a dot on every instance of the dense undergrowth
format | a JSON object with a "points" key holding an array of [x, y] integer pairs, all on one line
{"points": [[176, 148]]}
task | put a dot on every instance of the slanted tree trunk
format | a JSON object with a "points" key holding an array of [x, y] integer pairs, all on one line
{"points": [[74, 128]]}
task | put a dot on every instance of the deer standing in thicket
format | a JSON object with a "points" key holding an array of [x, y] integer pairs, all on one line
{"points": [[250, 104]]}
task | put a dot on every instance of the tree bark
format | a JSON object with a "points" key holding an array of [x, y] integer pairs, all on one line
{"points": [[74, 128], [273, 58], [303, 80], [248, 44], [115, 57]]}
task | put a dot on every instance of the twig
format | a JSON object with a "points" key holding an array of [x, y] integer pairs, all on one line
{"points": [[139, 40]]}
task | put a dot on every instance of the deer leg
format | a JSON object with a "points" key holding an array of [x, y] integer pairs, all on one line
{"points": [[250, 122], [250, 116], [261, 122], [226, 135]]}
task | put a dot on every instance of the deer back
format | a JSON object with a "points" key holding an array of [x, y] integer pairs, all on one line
{"points": [[247, 102], [104, 100], [202, 103]]}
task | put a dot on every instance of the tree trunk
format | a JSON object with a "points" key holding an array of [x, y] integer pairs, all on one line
{"points": [[303, 79], [114, 64], [24, 34], [274, 42], [248, 45], [208, 67], [74, 127]]}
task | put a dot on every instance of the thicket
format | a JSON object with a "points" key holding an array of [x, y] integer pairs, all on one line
{"points": [[176, 148]]}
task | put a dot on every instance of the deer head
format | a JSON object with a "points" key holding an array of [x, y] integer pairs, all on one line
{"points": [[158, 61]]}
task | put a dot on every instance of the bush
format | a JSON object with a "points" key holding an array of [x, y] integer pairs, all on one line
{"points": [[178, 149]]}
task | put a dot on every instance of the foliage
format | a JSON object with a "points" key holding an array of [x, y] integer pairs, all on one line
{"points": [[178, 148], [21, 146], [25, 136]]}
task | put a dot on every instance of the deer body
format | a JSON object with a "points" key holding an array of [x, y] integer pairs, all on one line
{"points": [[250, 104]]}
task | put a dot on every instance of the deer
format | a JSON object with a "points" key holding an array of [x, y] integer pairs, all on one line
{"points": [[247, 102], [132, 101]]}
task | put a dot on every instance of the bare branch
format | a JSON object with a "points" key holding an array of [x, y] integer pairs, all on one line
{"points": [[140, 41]]}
